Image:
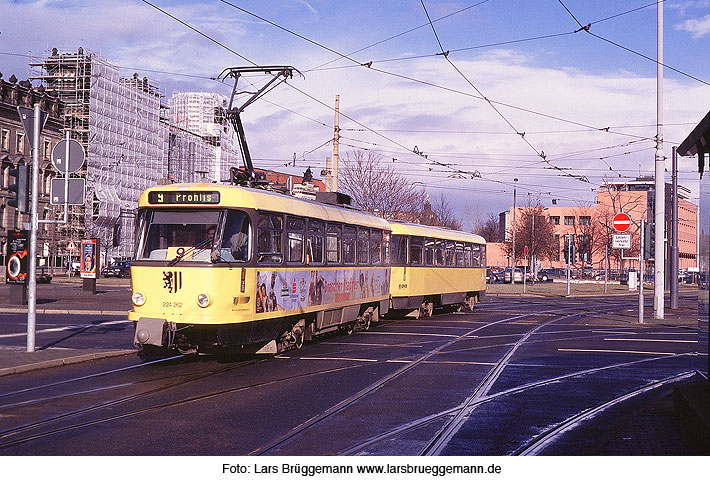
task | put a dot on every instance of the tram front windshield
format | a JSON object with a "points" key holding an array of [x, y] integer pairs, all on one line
{"points": [[192, 235]]}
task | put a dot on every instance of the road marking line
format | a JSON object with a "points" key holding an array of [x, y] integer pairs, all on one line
{"points": [[65, 328], [414, 334], [573, 350], [651, 340], [342, 359]]}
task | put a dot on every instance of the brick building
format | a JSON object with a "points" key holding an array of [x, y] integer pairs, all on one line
{"points": [[590, 226]]}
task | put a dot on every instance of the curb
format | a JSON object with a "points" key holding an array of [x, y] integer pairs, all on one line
{"points": [[63, 361]]}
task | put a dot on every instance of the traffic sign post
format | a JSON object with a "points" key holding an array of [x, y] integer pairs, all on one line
{"points": [[621, 222]]}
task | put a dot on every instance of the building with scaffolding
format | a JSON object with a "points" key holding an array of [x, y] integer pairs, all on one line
{"points": [[120, 124], [203, 114]]}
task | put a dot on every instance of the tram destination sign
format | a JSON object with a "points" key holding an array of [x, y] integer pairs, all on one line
{"points": [[183, 197]]}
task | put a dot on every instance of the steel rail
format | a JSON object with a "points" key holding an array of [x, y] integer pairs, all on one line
{"points": [[539, 443], [504, 393]]}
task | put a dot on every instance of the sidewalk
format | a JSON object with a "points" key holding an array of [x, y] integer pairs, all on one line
{"points": [[65, 296]]}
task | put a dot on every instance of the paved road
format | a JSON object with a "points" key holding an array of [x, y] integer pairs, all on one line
{"points": [[487, 383]]}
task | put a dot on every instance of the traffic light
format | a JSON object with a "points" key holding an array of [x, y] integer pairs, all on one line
{"points": [[570, 250], [20, 198], [649, 240]]}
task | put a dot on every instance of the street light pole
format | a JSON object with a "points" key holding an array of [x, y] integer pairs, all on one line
{"points": [[512, 256], [660, 199]]}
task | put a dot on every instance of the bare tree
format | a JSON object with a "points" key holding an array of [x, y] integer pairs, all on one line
{"points": [[489, 228], [534, 230], [445, 214], [377, 187]]}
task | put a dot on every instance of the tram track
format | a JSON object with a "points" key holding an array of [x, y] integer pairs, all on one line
{"points": [[453, 416], [4, 434], [415, 361], [422, 421]]}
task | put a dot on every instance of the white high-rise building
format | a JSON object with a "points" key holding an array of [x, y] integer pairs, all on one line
{"points": [[203, 114]]}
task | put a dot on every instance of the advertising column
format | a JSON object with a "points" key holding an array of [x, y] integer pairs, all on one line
{"points": [[89, 263], [17, 263]]}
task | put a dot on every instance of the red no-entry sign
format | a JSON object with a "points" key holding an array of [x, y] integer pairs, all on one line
{"points": [[621, 222]]}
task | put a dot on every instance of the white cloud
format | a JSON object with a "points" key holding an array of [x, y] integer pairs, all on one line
{"points": [[696, 27]]}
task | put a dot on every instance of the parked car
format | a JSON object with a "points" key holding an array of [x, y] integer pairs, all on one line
{"points": [[43, 275], [547, 274], [518, 276], [497, 274], [117, 269]]}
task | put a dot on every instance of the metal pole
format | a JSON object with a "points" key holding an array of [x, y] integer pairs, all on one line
{"points": [[606, 267], [525, 273], [32, 274], [641, 263], [569, 259], [674, 233], [512, 257], [336, 145], [660, 199]]}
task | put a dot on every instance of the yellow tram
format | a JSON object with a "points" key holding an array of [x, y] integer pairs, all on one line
{"points": [[232, 267], [434, 267]]}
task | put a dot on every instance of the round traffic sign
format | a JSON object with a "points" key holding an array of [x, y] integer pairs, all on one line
{"points": [[76, 156], [621, 222]]}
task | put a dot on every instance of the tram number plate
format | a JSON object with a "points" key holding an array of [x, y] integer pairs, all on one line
{"points": [[172, 305]]}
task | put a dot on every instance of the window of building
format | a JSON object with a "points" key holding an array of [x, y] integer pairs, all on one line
{"points": [[569, 220], [47, 148], [554, 220], [585, 220], [5, 140], [20, 143]]}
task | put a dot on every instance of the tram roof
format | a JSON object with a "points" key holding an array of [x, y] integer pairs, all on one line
{"points": [[260, 199], [412, 229]]}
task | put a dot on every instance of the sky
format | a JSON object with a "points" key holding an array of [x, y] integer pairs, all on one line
{"points": [[524, 91]]}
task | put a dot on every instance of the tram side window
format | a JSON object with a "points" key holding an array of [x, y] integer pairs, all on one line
{"points": [[269, 239], [295, 228], [349, 238], [399, 250], [450, 254], [439, 253], [314, 242], [363, 245], [429, 249], [459, 254], [332, 243], [376, 246], [477, 253], [416, 250], [386, 239], [236, 238], [467, 255]]}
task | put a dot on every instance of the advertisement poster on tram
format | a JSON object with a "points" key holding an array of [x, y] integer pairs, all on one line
{"points": [[89, 262], [298, 289]]}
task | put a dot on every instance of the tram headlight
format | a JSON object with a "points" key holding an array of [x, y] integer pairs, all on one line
{"points": [[138, 298], [203, 300]]}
